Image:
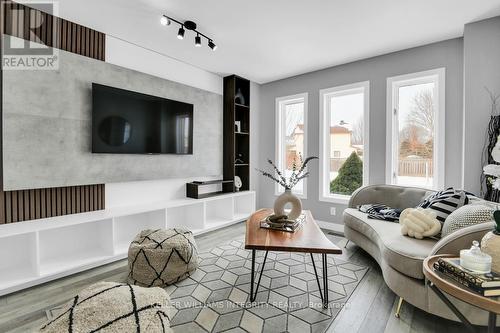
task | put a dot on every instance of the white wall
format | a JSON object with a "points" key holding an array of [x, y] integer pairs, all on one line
{"points": [[446, 54], [255, 142], [481, 69], [128, 55]]}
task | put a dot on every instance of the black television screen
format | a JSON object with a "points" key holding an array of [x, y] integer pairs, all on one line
{"points": [[126, 122]]}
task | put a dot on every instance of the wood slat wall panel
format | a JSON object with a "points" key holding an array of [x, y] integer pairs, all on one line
{"points": [[16, 20], [24, 205], [52, 31]]}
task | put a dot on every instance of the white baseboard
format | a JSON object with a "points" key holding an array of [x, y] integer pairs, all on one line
{"points": [[336, 227]]}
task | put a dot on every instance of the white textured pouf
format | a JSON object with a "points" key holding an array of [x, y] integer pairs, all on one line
{"points": [[110, 307], [162, 257]]}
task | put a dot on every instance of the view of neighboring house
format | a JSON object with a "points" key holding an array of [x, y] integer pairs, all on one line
{"points": [[341, 146], [294, 145]]}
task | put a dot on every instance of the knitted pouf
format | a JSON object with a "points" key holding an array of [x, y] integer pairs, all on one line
{"points": [[162, 257], [110, 307]]}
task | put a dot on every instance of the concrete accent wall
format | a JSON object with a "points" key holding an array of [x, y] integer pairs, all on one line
{"points": [[47, 127], [448, 54], [481, 69]]}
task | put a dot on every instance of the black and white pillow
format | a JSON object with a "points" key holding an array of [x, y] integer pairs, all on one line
{"points": [[445, 202]]}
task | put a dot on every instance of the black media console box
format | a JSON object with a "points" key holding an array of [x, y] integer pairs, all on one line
{"points": [[200, 190]]}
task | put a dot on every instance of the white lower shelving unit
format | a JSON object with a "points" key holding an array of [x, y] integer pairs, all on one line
{"points": [[126, 227], [35, 252]]}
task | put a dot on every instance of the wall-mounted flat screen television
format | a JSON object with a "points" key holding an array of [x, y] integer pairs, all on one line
{"points": [[127, 122]]}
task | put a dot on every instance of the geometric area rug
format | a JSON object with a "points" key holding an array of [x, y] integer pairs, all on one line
{"points": [[215, 298]]}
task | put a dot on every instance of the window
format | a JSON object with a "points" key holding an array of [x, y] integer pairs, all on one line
{"points": [[415, 129], [344, 119], [291, 137]]}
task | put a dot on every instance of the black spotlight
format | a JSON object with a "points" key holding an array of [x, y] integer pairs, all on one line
{"points": [[165, 20], [212, 45], [197, 41], [181, 32]]}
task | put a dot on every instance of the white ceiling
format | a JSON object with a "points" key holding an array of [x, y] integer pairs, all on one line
{"points": [[266, 40]]}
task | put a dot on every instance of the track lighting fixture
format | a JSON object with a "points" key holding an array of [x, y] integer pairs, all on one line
{"points": [[180, 34], [165, 20], [212, 45], [188, 25]]}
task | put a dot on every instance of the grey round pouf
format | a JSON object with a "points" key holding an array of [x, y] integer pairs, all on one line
{"points": [[110, 307], [162, 257]]}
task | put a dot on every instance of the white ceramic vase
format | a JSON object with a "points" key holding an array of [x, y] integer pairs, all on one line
{"points": [[285, 198], [490, 244]]}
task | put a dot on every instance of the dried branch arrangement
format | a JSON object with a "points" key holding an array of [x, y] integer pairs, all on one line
{"points": [[298, 172]]}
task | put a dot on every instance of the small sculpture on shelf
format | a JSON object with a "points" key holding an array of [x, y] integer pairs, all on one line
{"points": [[239, 160], [237, 183], [239, 98], [237, 126], [298, 173]]}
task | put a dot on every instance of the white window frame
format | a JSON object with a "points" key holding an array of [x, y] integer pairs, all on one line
{"points": [[437, 76], [324, 137], [281, 102]]}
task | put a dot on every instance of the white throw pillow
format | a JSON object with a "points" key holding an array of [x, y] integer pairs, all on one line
{"points": [[419, 223]]}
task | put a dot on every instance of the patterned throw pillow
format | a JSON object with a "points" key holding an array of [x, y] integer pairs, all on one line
{"points": [[445, 202], [466, 216]]}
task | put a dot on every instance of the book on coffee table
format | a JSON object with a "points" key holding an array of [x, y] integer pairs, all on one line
{"points": [[485, 284], [288, 226]]}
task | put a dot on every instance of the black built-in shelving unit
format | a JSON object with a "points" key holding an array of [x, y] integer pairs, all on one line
{"points": [[236, 143]]}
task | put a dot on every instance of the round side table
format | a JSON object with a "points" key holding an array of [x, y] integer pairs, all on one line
{"points": [[441, 285]]}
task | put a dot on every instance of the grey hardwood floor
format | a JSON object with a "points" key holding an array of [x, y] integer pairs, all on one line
{"points": [[370, 308]]}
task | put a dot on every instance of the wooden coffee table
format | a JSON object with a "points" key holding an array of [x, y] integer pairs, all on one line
{"points": [[440, 284], [308, 239]]}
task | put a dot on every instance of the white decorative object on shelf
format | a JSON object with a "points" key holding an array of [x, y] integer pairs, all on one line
{"points": [[237, 126], [475, 260], [285, 198], [38, 251], [237, 183]]}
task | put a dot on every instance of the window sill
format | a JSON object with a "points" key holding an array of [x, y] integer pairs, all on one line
{"points": [[338, 199]]}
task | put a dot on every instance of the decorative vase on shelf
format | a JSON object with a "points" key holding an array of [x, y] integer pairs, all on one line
{"points": [[490, 243], [239, 98], [285, 198]]}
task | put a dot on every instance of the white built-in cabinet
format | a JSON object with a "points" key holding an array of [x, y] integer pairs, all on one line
{"points": [[38, 251]]}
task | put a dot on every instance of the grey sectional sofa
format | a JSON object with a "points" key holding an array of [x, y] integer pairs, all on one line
{"points": [[400, 257]]}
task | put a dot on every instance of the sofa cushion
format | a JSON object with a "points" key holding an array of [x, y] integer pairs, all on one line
{"points": [[443, 203], [466, 216], [402, 253]]}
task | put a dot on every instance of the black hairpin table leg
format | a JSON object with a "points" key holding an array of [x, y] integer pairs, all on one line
{"points": [[325, 281], [253, 295], [324, 294]]}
